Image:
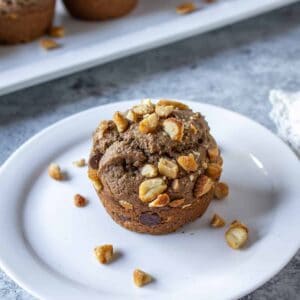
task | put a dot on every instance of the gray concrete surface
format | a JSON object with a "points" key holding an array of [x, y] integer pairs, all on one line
{"points": [[233, 67]]}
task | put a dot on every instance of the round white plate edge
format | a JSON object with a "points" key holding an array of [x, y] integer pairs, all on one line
{"points": [[28, 143]]}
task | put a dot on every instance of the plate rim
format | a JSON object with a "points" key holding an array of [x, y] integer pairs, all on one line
{"points": [[30, 289]]}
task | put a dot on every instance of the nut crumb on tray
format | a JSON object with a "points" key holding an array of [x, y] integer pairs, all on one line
{"points": [[49, 44], [79, 201], [217, 221], [55, 172], [141, 278], [237, 235], [79, 163], [104, 253], [57, 31], [186, 8]]}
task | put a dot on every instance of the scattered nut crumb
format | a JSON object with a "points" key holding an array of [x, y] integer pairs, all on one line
{"points": [[185, 8], [175, 185], [141, 278], [221, 190], [193, 128], [79, 163], [149, 171], [79, 201], [237, 235], [161, 201], [126, 204], [57, 32], [176, 203], [49, 44], [217, 221], [54, 172], [188, 162], [151, 188], [104, 253], [120, 121]]}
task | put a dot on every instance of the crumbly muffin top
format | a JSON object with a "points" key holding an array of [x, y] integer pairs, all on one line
{"points": [[11, 6], [151, 150]]}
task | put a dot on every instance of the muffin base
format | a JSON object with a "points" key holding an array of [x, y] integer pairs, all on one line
{"points": [[161, 220], [21, 28], [93, 10]]}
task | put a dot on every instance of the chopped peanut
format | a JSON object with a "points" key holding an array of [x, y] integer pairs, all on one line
{"points": [[151, 188], [149, 123], [202, 186], [217, 221], [149, 171], [132, 116], [188, 162], [221, 190], [126, 204], [176, 203], [141, 278], [49, 44], [185, 8], [213, 153], [174, 128], [214, 171], [161, 201], [168, 168], [120, 121], [79, 163], [175, 104], [57, 32], [104, 253], [54, 172], [93, 175], [79, 201], [237, 235], [164, 110]]}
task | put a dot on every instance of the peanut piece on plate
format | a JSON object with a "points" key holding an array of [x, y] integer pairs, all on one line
{"points": [[79, 201], [55, 172], [237, 235], [104, 253], [57, 32], [185, 8], [217, 221], [49, 44], [141, 278], [151, 188], [221, 190], [79, 163]]}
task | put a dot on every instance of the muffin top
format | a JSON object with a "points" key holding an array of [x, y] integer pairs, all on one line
{"points": [[152, 150], [19, 6]]}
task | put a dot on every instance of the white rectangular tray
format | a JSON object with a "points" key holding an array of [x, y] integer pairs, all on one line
{"points": [[151, 24]]}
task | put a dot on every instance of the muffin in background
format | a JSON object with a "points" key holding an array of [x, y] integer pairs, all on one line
{"points": [[94, 10], [24, 20]]}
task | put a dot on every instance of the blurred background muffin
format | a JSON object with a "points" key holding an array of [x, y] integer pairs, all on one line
{"points": [[99, 9], [24, 20]]}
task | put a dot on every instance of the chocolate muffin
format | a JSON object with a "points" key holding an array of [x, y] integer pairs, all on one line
{"points": [[99, 9], [155, 166], [24, 20]]}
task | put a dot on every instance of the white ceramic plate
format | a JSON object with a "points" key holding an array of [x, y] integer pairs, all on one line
{"points": [[151, 24], [47, 243]]}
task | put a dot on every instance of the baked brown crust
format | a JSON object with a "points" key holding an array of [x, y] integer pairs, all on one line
{"points": [[23, 21], [93, 10], [149, 181]]}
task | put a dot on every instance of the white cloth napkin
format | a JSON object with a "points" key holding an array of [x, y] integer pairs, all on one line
{"points": [[286, 115]]}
